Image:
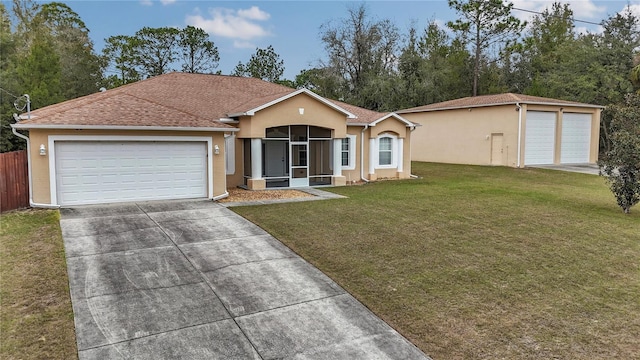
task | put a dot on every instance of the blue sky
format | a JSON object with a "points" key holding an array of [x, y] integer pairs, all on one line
{"points": [[292, 27]]}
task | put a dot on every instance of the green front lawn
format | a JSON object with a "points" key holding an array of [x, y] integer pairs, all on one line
{"points": [[36, 319], [476, 262]]}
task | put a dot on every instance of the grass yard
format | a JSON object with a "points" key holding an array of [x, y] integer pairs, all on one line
{"points": [[481, 262], [36, 317]]}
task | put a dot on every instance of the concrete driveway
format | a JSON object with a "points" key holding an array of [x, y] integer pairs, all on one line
{"points": [[591, 169], [193, 280]]}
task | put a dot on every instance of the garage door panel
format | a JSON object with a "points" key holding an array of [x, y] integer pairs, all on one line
{"points": [[540, 133], [576, 138], [97, 172]]}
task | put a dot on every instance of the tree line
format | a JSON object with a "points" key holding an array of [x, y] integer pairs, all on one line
{"points": [[47, 53]]}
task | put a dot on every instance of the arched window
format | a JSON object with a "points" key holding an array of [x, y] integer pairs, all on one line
{"points": [[387, 151]]}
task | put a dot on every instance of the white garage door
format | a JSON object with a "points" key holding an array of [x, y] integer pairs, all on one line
{"points": [[540, 135], [110, 171], [576, 138]]}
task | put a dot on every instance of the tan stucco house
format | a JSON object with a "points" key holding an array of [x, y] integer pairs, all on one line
{"points": [[505, 129], [194, 136]]}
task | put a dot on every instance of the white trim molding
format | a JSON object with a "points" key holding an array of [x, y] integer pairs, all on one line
{"points": [[395, 116], [394, 151], [351, 141], [52, 153], [252, 112], [230, 154]]}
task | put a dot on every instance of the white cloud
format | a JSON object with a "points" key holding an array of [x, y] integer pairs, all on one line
{"points": [[241, 25], [254, 13], [635, 8], [163, 2], [582, 9]]}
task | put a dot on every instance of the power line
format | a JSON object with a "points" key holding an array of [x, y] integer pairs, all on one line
{"points": [[539, 13], [9, 93]]}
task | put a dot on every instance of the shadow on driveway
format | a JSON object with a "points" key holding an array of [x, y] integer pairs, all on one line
{"points": [[193, 280]]}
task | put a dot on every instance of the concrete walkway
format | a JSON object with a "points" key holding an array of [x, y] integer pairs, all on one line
{"points": [[193, 280], [591, 169]]}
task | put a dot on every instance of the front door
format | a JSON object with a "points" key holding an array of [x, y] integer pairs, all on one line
{"points": [[275, 153], [299, 164]]}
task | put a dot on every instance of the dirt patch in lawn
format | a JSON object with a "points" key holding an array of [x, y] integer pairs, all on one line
{"points": [[238, 195]]}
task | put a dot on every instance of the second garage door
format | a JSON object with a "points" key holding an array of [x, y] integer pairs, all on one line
{"points": [[576, 138], [540, 138], [108, 171]]}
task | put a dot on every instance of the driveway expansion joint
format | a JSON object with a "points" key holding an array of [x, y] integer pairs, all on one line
{"points": [[173, 306], [201, 275], [289, 305]]}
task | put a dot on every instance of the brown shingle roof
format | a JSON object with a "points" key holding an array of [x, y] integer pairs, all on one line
{"points": [[490, 100], [173, 100]]}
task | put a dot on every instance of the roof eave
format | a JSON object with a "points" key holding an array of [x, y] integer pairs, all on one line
{"points": [[253, 111], [394, 115], [120, 127], [408, 111]]}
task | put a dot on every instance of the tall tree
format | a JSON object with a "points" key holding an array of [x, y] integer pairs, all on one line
{"points": [[361, 52], [616, 49], [8, 83], [319, 80], [484, 23], [155, 49], [39, 74], [120, 53], [539, 52], [634, 75], [81, 69], [48, 55], [264, 64], [199, 54], [24, 11]]}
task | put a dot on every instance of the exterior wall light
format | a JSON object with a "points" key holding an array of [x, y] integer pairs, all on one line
{"points": [[216, 149], [43, 150], [301, 111]]}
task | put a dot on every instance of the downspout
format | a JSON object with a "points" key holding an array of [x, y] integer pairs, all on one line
{"points": [[31, 203], [362, 154], [224, 195], [410, 155], [519, 133]]}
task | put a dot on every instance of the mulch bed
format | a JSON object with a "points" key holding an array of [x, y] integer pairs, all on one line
{"points": [[238, 194]]}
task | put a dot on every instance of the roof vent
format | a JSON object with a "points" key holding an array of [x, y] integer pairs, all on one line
{"points": [[102, 89]]}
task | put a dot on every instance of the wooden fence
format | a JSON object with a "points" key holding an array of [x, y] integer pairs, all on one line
{"points": [[14, 180]]}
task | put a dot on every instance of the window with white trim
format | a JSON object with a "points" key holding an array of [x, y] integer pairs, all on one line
{"points": [[387, 151], [348, 153]]}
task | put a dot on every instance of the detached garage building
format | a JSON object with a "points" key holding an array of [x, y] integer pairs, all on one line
{"points": [[505, 129]]}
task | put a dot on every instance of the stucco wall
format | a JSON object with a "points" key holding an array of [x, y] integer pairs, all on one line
{"points": [[463, 136], [287, 112], [396, 128], [237, 178], [354, 175], [40, 164]]}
